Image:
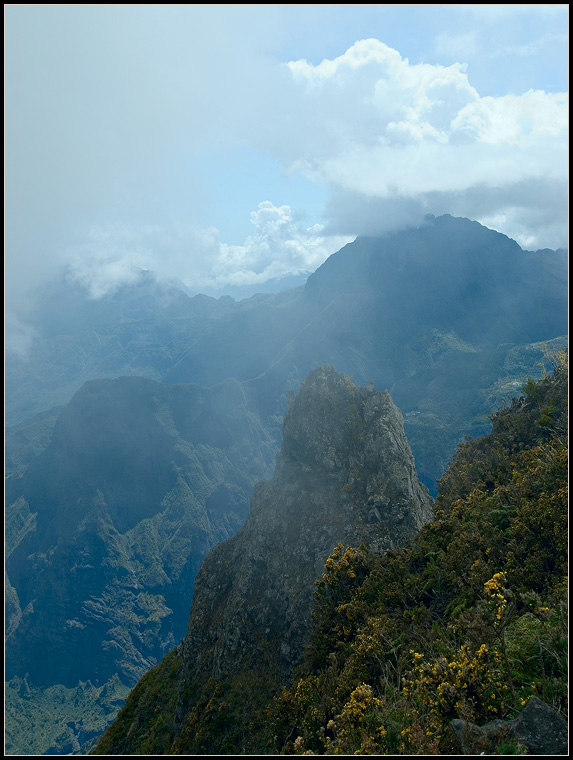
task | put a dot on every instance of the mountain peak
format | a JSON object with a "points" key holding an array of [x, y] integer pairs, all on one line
{"points": [[345, 474]]}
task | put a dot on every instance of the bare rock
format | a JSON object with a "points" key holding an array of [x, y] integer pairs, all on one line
{"points": [[538, 729], [345, 474]]}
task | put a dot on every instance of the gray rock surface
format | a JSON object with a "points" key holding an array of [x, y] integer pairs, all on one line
{"points": [[538, 729], [346, 474]]}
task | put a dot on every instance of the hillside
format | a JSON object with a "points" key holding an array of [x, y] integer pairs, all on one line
{"points": [[468, 621]]}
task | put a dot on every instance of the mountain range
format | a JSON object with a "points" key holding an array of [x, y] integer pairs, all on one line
{"points": [[139, 424]]}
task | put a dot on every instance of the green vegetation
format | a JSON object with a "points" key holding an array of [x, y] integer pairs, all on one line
{"points": [[511, 748], [58, 719], [148, 712], [469, 621]]}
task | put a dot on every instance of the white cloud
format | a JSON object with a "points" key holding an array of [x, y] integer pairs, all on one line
{"points": [[369, 94], [356, 57], [458, 46], [109, 258], [114, 256], [394, 130], [534, 48], [18, 336], [392, 140], [517, 120], [278, 247], [530, 211], [496, 12]]}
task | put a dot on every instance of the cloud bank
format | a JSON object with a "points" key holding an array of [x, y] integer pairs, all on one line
{"points": [[112, 112], [413, 138], [392, 141], [278, 247]]}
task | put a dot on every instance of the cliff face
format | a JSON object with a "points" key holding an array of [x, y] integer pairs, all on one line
{"points": [[107, 527], [345, 473]]}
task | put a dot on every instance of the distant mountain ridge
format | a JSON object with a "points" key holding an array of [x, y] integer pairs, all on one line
{"points": [[449, 274], [436, 315]]}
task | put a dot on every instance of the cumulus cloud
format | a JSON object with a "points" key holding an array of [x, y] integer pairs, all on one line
{"points": [[419, 136], [279, 246]]}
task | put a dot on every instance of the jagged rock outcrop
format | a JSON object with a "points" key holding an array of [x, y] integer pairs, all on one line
{"points": [[537, 730], [345, 473]]}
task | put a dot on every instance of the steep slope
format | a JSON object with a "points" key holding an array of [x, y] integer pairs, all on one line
{"points": [[105, 530], [450, 273], [469, 623], [345, 473]]}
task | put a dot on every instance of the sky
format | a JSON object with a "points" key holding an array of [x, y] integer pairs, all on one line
{"points": [[229, 145]]}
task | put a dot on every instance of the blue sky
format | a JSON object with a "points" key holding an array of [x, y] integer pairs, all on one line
{"points": [[229, 144]]}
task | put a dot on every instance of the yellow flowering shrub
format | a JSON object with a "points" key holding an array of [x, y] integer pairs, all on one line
{"points": [[470, 685], [358, 729]]}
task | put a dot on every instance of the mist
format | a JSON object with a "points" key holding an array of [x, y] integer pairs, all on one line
{"points": [[223, 146]]}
